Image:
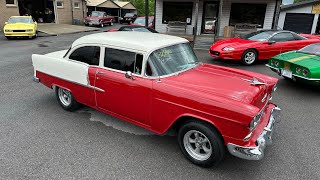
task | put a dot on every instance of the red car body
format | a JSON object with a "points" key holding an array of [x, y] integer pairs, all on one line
{"points": [[264, 49], [235, 102], [98, 18]]}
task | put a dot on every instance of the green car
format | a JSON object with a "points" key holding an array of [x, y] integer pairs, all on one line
{"points": [[302, 65]]}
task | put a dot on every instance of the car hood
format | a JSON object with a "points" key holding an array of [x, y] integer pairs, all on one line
{"points": [[19, 26], [232, 42], [57, 54], [222, 83]]}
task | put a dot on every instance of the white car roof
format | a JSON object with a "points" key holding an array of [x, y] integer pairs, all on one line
{"points": [[141, 41]]}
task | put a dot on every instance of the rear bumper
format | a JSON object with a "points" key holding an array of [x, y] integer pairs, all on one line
{"points": [[279, 72], [257, 152]]}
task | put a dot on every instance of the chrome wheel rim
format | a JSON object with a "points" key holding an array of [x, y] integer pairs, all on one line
{"points": [[111, 24], [102, 25], [249, 57], [64, 96], [197, 145]]}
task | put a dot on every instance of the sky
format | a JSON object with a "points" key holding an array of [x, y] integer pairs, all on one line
{"points": [[287, 2]]}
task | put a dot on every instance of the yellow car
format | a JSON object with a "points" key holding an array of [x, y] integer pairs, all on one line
{"points": [[20, 26]]}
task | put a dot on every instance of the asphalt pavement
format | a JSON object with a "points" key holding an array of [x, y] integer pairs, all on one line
{"points": [[39, 140]]}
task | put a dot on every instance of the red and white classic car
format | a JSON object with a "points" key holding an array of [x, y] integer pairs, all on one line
{"points": [[155, 81]]}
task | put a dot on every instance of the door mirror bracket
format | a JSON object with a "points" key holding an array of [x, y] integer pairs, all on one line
{"points": [[271, 42], [128, 75]]}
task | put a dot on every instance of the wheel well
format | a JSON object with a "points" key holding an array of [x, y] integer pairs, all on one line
{"points": [[185, 119], [256, 50]]}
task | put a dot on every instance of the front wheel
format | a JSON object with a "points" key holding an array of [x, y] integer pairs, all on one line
{"points": [[249, 57], [66, 99], [111, 23], [102, 25], [201, 144], [8, 37]]}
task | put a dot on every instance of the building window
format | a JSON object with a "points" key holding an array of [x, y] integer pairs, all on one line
{"points": [[11, 3], [76, 5], [248, 13], [59, 4], [177, 11]]}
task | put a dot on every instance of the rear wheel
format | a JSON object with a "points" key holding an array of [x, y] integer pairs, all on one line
{"points": [[66, 99], [249, 57], [201, 144]]}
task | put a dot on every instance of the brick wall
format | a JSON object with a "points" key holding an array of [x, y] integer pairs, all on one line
{"points": [[6, 12], [65, 13]]}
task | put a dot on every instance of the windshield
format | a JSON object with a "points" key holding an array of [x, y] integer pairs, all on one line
{"points": [[259, 36], [311, 49], [173, 59], [97, 14], [129, 14], [14, 20], [142, 21]]}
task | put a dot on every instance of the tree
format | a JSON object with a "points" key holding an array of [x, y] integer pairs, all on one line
{"points": [[139, 4]]}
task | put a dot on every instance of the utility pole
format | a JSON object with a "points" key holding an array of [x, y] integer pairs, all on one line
{"points": [[147, 12]]}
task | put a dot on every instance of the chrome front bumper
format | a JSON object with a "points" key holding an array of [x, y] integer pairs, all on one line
{"points": [[257, 152]]}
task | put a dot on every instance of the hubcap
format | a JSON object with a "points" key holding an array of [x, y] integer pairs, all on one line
{"points": [[197, 145], [250, 57], [64, 96]]}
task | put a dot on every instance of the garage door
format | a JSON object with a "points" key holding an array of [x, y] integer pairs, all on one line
{"points": [[299, 23]]}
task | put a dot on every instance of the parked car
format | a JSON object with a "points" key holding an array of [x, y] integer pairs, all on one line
{"points": [[302, 65], [159, 84], [209, 26], [20, 26], [128, 18], [99, 18], [133, 28], [141, 21], [260, 45]]}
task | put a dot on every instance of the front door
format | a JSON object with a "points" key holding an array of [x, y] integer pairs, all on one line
{"points": [[127, 97], [210, 17]]}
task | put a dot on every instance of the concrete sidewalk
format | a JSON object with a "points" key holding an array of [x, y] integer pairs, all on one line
{"points": [[56, 29]]}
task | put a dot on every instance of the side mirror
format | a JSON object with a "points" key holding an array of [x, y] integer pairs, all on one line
{"points": [[128, 75], [271, 42], [6, 23]]}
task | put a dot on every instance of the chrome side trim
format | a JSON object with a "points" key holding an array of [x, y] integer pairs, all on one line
{"points": [[88, 86], [257, 152]]}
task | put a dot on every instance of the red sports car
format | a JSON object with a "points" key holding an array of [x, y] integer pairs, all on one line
{"points": [[260, 45]]}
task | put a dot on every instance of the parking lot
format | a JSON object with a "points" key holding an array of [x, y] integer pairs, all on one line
{"points": [[39, 140]]}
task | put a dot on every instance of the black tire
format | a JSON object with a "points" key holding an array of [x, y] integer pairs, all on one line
{"points": [[101, 25], [72, 106], [8, 37], [214, 143], [36, 35], [111, 24], [249, 57]]}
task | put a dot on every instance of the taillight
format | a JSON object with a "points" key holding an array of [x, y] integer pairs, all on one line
{"points": [[305, 72], [298, 70], [277, 63], [272, 62]]}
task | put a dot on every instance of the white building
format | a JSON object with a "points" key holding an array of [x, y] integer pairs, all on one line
{"points": [[300, 17], [222, 12]]}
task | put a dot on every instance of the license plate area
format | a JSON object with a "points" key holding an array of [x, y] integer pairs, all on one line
{"points": [[287, 73]]}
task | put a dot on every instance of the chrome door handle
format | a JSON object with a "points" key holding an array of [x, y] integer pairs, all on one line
{"points": [[99, 72]]}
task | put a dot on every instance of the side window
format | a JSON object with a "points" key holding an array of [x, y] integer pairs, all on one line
{"points": [[123, 60], [283, 37], [87, 54]]}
